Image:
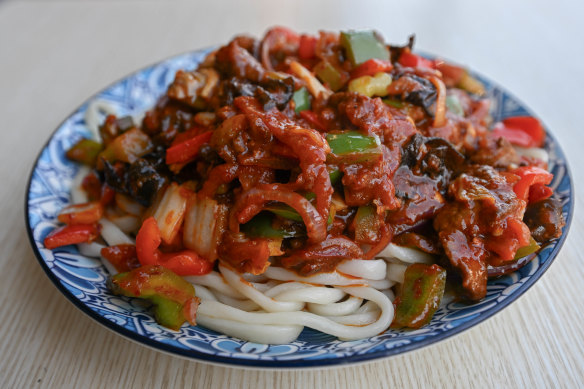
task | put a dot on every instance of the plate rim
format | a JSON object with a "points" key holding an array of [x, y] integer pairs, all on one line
{"points": [[261, 364]]}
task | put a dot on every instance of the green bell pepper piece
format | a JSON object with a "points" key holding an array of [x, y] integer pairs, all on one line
{"points": [[524, 251], [420, 295], [301, 100], [350, 142], [85, 151], [260, 226], [335, 174], [288, 212], [365, 223], [329, 75], [394, 103], [168, 292], [361, 46]]}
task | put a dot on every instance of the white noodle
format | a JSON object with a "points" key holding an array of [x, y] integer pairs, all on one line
{"points": [[312, 294], [78, 195], [126, 223], [112, 234], [93, 117], [284, 287], [244, 305], [218, 310], [92, 249], [109, 266], [333, 278], [373, 269], [357, 319], [405, 254], [254, 278], [258, 333], [215, 281], [396, 271], [389, 293], [204, 293], [245, 288], [343, 308]]}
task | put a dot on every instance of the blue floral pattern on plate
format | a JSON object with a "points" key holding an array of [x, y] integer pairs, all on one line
{"points": [[83, 280]]}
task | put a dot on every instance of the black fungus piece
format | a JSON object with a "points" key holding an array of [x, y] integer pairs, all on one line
{"points": [[411, 150], [396, 51], [442, 162], [269, 92], [114, 177], [544, 219], [434, 157], [144, 181], [423, 96]]}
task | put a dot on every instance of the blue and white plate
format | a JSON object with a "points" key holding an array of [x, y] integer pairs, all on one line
{"points": [[83, 280]]}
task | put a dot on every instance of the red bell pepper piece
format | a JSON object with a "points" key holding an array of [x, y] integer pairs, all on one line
{"points": [[187, 150], [122, 256], [313, 119], [107, 194], [410, 60], [523, 131], [92, 186], [529, 177], [539, 192], [183, 263], [188, 134], [66, 235], [307, 48], [371, 67], [86, 213]]}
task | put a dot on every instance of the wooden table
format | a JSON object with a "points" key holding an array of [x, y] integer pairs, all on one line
{"points": [[55, 54]]}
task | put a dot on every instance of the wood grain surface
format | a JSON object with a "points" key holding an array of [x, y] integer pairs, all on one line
{"points": [[55, 54]]}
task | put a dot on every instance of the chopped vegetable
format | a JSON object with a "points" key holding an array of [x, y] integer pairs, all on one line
{"points": [[313, 119], [170, 212], [183, 263], [350, 142], [454, 106], [329, 75], [335, 175], [525, 131], [187, 150], [173, 298], [415, 61], [127, 147], [85, 151], [420, 295], [301, 100], [361, 46], [86, 213], [530, 177], [261, 226], [312, 83], [73, 234], [524, 251], [371, 86], [471, 84], [394, 103], [122, 256], [371, 67], [366, 224], [288, 212], [307, 48], [205, 221]]}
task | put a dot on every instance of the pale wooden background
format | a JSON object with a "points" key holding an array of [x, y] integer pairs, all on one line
{"points": [[55, 54]]}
